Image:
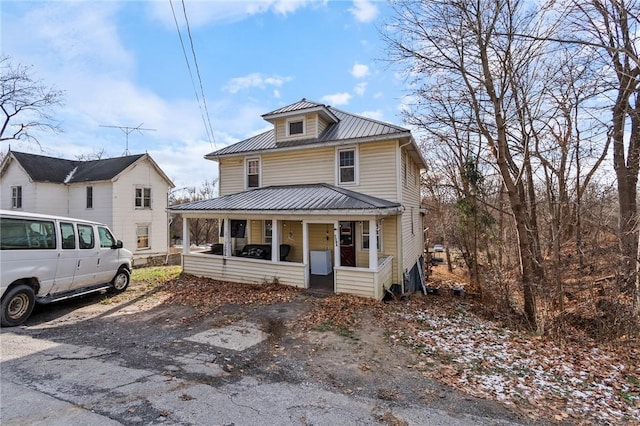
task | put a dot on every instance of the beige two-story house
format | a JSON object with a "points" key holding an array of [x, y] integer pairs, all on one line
{"points": [[127, 193], [324, 199]]}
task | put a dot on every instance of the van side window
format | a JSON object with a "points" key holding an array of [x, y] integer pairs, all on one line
{"points": [[85, 232], [68, 236], [20, 234], [106, 239]]}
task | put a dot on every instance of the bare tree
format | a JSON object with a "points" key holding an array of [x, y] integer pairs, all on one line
{"points": [[611, 28], [201, 230], [25, 103], [473, 49]]}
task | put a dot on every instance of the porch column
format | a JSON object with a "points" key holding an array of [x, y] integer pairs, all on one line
{"points": [[305, 243], [275, 240], [336, 244], [226, 247], [186, 242], [373, 244]]}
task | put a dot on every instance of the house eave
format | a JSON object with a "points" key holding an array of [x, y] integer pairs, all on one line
{"points": [[320, 109], [388, 211], [304, 146]]}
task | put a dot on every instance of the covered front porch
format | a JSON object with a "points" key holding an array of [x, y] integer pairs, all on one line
{"points": [[306, 248], [311, 260]]}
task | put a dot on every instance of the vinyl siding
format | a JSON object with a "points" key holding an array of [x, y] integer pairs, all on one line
{"points": [[377, 170], [355, 281], [102, 202], [310, 124], [298, 167], [412, 225], [231, 178], [126, 217], [242, 270]]}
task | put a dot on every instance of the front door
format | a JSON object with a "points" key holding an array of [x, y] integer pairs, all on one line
{"points": [[347, 244]]}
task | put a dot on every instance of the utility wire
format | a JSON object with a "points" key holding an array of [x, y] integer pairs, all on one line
{"points": [[195, 61], [208, 128]]}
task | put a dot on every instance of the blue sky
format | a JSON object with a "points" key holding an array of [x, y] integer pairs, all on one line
{"points": [[122, 64]]}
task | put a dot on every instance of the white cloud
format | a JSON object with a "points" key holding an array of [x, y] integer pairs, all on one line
{"points": [[201, 13], [364, 11], [360, 70], [337, 99], [376, 115], [360, 88], [254, 80]]}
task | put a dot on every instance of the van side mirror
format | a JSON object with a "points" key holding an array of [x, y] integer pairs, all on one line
{"points": [[117, 245]]}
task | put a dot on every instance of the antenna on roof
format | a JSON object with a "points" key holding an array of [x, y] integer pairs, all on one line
{"points": [[127, 131]]}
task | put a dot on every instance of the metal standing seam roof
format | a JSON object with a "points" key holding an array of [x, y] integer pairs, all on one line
{"points": [[58, 170], [304, 197], [349, 127]]}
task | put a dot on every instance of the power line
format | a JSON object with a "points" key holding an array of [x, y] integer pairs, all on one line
{"points": [[205, 114]]}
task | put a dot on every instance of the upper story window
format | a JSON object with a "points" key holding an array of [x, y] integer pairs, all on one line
{"points": [[89, 197], [347, 166], [253, 173], [16, 197], [295, 127], [143, 198]]}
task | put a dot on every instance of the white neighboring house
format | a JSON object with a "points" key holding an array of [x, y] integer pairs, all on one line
{"points": [[129, 194]]}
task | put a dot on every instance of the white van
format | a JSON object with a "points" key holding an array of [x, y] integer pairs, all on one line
{"points": [[45, 258]]}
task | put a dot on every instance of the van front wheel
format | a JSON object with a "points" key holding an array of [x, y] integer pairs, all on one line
{"points": [[121, 281], [17, 305]]}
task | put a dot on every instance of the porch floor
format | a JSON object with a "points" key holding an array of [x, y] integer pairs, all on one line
{"points": [[323, 283]]}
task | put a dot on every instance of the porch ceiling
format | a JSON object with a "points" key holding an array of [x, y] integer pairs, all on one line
{"points": [[294, 199]]}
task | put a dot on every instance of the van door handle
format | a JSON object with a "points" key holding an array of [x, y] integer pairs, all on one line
{"points": [[79, 260]]}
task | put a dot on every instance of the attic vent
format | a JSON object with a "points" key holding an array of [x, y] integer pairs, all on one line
{"points": [[295, 127]]}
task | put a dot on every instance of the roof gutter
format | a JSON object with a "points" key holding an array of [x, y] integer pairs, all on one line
{"points": [[314, 145], [387, 211]]}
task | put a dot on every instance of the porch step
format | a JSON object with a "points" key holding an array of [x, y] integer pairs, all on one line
{"points": [[318, 292]]}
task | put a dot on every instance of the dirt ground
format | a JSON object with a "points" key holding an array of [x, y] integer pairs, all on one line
{"points": [[340, 342]]}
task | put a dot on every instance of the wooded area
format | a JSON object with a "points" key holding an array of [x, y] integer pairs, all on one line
{"points": [[529, 118]]}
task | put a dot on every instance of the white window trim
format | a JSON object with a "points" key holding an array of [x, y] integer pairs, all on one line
{"points": [[264, 231], [86, 197], [295, 120], [362, 234], [142, 206], [15, 198], [356, 165], [148, 226], [246, 172]]}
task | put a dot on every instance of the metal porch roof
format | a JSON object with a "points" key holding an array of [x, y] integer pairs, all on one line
{"points": [[292, 198]]}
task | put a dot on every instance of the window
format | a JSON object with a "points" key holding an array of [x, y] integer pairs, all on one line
{"points": [[405, 165], [68, 236], [268, 231], [253, 173], [85, 234], [16, 197], [347, 166], [366, 236], [295, 127], [19, 234], [142, 236], [143, 198], [106, 239], [89, 197]]}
